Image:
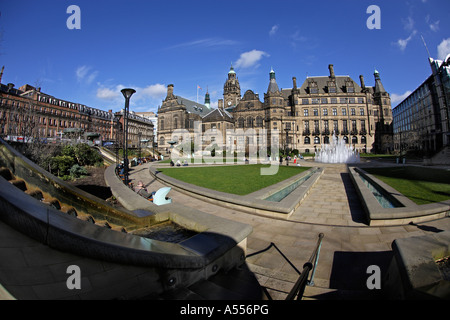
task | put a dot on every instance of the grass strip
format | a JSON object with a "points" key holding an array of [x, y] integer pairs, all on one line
{"points": [[234, 179]]}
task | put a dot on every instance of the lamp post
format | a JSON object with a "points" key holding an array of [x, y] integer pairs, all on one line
{"points": [[287, 136], [139, 146], [127, 93], [116, 138]]}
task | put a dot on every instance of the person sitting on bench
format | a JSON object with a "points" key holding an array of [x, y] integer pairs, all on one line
{"points": [[142, 191]]}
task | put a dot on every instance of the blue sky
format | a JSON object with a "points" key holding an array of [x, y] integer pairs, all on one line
{"points": [[149, 44]]}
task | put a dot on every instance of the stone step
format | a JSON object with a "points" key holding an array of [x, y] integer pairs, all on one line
{"points": [[236, 284]]}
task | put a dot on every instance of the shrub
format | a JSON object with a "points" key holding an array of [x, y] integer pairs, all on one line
{"points": [[61, 164], [86, 156], [77, 171]]}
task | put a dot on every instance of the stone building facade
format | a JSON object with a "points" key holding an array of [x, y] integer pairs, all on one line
{"points": [[140, 129], [177, 113], [26, 113], [304, 117]]}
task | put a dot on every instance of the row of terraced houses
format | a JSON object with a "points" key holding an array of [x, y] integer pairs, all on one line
{"points": [[26, 113]]}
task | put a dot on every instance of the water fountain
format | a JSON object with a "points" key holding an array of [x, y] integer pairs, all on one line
{"points": [[337, 152]]}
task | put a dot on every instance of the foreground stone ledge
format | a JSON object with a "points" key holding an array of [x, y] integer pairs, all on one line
{"points": [[183, 215], [413, 273], [39, 242]]}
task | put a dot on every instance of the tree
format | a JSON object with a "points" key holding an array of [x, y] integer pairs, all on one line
{"points": [[62, 164]]}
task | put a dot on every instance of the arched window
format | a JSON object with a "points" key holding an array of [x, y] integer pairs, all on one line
{"points": [[307, 140], [161, 124], [161, 141], [363, 140], [316, 140], [259, 121], [345, 139], [249, 122], [241, 122], [354, 140], [175, 123], [326, 140]]}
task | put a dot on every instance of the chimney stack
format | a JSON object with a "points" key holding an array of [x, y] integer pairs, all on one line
{"points": [[221, 104], [170, 91], [1, 74], [361, 79], [294, 80], [331, 68]]}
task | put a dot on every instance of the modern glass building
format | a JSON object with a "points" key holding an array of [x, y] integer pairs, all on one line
{"points": [[421, 121]]}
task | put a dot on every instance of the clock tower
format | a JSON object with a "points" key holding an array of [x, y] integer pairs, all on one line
{"points": [[231, 90]]}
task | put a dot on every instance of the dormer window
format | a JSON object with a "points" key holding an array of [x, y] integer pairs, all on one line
{"points": [[313, 89], [331, 85], [349, 86]]}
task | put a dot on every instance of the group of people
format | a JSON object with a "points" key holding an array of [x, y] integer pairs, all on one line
{"points": [[289, 158], [178, 163]]}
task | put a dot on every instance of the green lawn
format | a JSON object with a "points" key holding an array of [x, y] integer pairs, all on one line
{"points": [[234, 179], [421, 185]]}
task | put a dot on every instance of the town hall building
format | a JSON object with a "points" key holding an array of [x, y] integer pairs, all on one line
{"points": [[305, 117]]}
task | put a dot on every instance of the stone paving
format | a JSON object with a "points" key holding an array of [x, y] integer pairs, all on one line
{"points": [[332, 207]]}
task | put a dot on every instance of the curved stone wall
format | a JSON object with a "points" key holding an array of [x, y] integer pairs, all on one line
{"points": [[39, 242]]}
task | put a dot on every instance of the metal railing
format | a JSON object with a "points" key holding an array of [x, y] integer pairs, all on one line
{"points": [[299, 288]]}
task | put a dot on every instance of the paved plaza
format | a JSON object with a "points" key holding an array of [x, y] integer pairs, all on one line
{"points": [[332, 207]]}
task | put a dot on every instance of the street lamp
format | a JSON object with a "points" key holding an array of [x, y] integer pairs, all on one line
{"points": [[116, 121], [287, 136], [139, 146], [127, 93]]}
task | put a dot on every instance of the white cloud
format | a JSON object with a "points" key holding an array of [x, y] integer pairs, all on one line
{"points": [[84, 75], [205, 43], [155, 91], [402, 43], [397, 98], [443, 49], [108, 94], [408, 23], [273, 30], [250, 58], [144, 98], [435, 26], [297, 38]]}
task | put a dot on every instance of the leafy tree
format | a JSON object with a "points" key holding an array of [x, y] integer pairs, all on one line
{"points": [[62, 164], [86, 156]]}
